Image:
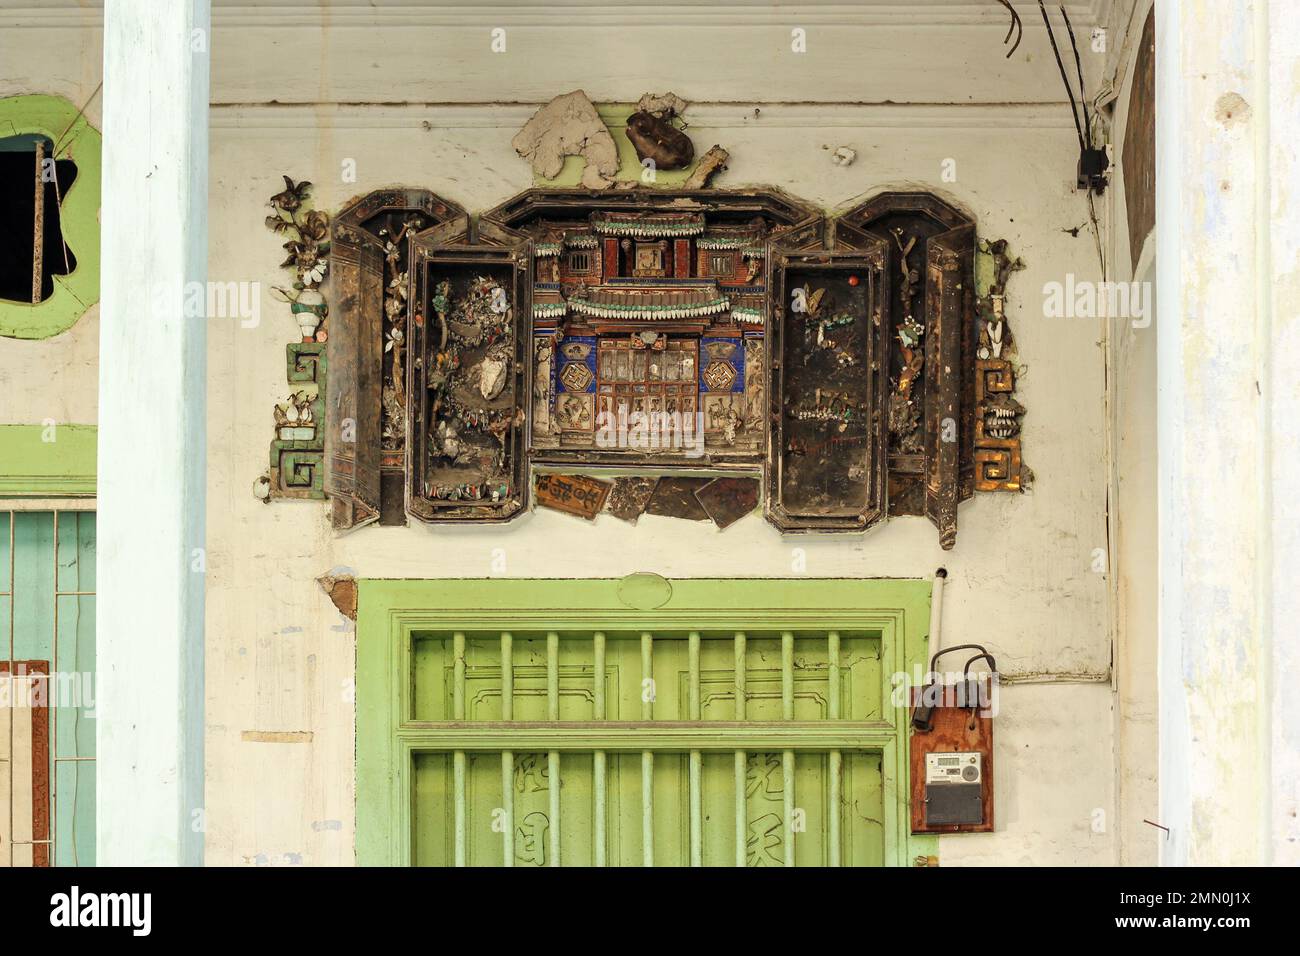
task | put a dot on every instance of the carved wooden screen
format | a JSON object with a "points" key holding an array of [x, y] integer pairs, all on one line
{"points": [[352, 408], [365, 410], [467, 374], [826, 447], [859, 401], [948, 296], [930, 358]]}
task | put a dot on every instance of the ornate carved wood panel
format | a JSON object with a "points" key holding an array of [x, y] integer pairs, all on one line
{"points": [[365, 415], [468, 375], [826, 453], [569, 328], [948, 294]]}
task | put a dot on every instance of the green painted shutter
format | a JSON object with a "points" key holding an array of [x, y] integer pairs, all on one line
{"points": [[730, 726]]}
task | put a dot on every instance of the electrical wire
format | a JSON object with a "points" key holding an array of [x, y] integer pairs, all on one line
{"points": [[1060, 64], [1078, 66], [1015, 23]]}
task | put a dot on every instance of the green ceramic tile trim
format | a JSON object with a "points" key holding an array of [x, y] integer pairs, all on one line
{"points": [[39, 461], [397, 680], [614, 116], [77, 140]]}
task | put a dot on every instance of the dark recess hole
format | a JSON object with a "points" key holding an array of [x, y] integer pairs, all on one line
{"points": [[17, 209]]}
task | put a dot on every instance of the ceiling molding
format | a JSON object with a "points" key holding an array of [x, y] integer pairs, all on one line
{"points": [[718, 13], [702, 116]]}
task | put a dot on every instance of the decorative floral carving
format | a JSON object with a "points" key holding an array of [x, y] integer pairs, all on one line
{"points": [[395, 298], [904, 409], [306, 248]]}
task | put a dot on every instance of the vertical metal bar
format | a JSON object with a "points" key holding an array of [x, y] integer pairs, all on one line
{"points": [[787, 757], [507, 676], [742, 826], [458, 758], [696, 760], [836, 760], [598, 759], [458, 676], [787, 774], [507, 756], [553, 757], [508, 807], [787, 675], [647, 756], [38, 228]]}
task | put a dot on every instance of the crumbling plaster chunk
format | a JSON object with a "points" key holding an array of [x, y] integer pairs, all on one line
{"points": [[569, 126]]}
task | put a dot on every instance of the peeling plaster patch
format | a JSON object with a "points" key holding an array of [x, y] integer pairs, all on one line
{"points": [[293, 859], [342, 590], [710, 163], [1231, 109], [276, 736], [569, 126], [292, 629], [319, 825]]}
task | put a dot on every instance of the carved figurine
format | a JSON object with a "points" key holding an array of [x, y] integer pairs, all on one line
{"points": [[657, 139]]}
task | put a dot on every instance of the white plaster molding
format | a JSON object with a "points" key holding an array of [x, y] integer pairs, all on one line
{"points": [[701, 116], [417, 13]]}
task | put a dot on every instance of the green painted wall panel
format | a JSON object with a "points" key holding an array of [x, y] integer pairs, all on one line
{"points": [[74, 821], [33, 590], [75, 680], [38, 461]]}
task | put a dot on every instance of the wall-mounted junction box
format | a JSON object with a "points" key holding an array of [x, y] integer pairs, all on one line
{"points": [[952, 767]]}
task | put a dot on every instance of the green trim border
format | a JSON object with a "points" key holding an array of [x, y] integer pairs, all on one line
{"points": [[390, 612], [48, 461], [77, 140]]}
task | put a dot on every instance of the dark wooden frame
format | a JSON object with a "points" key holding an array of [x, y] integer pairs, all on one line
{"points": [[870, 260], [353, 475], [456, 243]]}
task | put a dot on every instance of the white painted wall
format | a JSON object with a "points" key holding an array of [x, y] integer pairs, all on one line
{"points": [[1134, 562], [416, 100]]}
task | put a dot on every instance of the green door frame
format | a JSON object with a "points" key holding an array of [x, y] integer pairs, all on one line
{"points": [[390, 612]]}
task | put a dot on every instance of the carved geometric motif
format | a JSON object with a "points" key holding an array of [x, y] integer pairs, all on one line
{"points": [[719, 376], [576, 377]]}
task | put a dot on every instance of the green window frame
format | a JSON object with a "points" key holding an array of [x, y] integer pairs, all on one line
{"points": [[394, 617], [74, 138]]}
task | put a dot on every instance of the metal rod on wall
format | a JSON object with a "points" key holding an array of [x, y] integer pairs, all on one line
{"points": [[38, 226]]}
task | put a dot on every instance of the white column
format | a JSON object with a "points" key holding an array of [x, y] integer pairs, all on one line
{"points": [[152, 435], [1284, 403], [1226, 404]]}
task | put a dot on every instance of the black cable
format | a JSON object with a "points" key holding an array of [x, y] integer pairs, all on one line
{"points": [[1015, 22], [1078, 66], [959, 647], [1064, 79], [965, 674]]}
